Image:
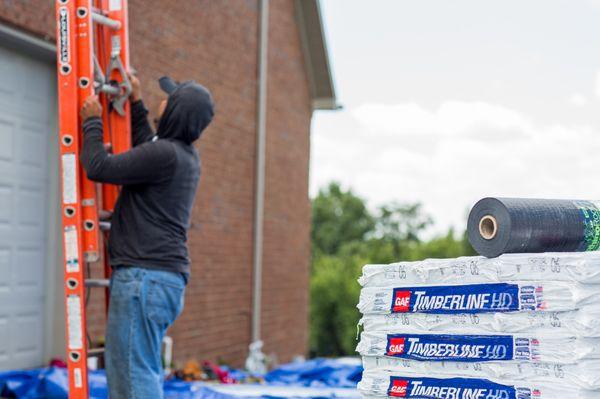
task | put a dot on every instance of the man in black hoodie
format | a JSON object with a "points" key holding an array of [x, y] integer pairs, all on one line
{"points": [[147, 242]]}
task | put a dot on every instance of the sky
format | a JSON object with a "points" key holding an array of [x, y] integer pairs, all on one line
{"points": [[446, 102]]}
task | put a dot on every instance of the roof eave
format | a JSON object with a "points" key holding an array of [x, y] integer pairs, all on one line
{"points": [[316, 55]]}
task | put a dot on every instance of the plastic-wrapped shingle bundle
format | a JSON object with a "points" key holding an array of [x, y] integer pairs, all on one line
{"points": [[520, 326], [390, 384]]}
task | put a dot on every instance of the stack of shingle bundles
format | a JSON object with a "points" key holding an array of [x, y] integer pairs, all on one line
{"points": [[521, 326]]}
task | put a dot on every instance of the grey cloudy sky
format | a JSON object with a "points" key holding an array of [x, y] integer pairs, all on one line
{"points": [[446, 102]]}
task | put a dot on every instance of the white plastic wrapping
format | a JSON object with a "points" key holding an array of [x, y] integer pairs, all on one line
{"points": [[583, 267], [584, 374], [478, 298], [583, 322], [377, 384], [479, 348], [520, 326]]}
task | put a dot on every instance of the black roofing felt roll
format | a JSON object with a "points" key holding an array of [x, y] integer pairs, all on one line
{"points": [[520, 225]]}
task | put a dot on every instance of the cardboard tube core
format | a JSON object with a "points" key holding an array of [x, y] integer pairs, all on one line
{"points": [[488, 227]]}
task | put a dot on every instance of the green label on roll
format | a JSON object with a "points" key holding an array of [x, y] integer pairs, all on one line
{"points": [[591, 221]]}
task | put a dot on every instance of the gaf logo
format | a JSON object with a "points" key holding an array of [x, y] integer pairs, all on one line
{"points": [[401, 302], [395, 346], [398, 388]]}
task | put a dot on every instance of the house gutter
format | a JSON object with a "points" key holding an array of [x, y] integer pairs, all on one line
{"points": [[261, 133]]}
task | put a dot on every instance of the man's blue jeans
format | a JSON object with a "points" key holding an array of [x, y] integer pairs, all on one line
{"points": [[143, 304]]}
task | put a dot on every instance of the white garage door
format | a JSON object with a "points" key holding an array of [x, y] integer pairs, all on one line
{"points": [[26, 128]]}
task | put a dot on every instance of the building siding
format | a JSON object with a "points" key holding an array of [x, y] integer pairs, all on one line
{"points": [[215, 43]]}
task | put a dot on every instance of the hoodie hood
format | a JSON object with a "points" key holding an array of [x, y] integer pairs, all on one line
{"points": [[189, 111]]}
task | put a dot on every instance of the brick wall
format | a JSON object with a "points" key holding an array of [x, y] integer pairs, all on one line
{"points": [[215, 43]]}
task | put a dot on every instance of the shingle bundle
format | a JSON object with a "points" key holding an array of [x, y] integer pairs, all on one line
{"points": [[520, 326]]}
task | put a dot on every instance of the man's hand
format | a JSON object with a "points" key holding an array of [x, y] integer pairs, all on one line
{"points": [[91, 107], [136, 87]]}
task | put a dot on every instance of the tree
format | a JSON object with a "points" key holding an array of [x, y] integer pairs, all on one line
{"points": [[338, 217], [345, 237], [440, 247], [333, 313], [401, 224]]}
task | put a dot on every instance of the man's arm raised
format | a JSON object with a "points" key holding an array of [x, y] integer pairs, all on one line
{"points": [[149, 163], [141, 131]]}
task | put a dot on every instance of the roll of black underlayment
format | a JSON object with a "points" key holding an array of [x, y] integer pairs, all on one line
{"points": [[521, 225]]}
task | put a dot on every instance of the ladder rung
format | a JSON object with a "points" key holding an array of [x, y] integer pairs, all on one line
{"points": [[95, 352], [108, 89], [96, 282], [104, 226], [104, 215], [101, 19]]}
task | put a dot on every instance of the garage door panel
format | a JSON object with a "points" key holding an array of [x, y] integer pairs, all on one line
{"points": [[21, 334], [8, 67], [13, 236], [32, 146], [11, 97], [26, 85], [4, 337], [6, 204], [28, 271], [31, 207], [37, 86], [28, 104], [5, 272], [13, 174], [27, 327], [26, 336], [7, 130]]}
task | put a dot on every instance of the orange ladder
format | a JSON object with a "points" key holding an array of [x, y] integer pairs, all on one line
{"points": [[92, 57]]}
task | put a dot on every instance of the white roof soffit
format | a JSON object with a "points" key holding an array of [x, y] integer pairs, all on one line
{"points": [[308, 14]]}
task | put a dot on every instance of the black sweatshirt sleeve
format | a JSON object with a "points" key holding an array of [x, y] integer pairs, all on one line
{"points": [[148, 163], [141, 131]]}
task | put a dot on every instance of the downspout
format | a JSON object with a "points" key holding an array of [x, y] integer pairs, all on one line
{"points": [[261, 133]]}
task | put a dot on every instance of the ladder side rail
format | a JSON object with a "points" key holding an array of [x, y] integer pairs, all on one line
{"points": [[71, 199], [89, 203], [110, 192], [120, 124], [85, 52]]}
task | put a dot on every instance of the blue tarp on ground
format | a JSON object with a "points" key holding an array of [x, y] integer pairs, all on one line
{"points": [[341, 373], [319, 378]]}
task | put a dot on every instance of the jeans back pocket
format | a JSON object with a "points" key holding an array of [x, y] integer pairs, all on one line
{"points": [[164, 301]]}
